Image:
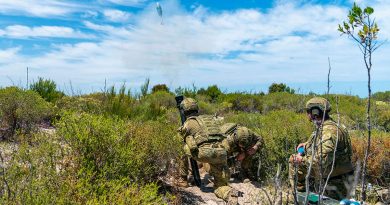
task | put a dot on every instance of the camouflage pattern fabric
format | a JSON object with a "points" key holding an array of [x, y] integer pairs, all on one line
{"points": [[340, 176], [319, 102], [249, 139], [212, 153]]}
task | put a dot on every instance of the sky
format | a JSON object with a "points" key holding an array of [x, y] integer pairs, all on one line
{"points": [[240, 45]]}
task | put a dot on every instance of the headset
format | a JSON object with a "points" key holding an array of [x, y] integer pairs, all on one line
{"points": [[315, 111]]}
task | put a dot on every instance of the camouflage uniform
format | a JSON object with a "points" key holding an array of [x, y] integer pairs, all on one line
{"points": [[242, 135], [341, 175], [204, 144], [209, 151]]}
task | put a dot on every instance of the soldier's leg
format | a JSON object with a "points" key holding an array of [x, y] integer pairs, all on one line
{"points": [[184, 167], [249, 168], [221, 188], [183, 171], [338, 187], [296, 175]]}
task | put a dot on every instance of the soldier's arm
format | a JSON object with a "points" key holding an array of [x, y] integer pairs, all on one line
{"points": [[328, 145]]}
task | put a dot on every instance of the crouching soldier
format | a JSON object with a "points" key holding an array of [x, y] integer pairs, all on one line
{"points": [[245, 144], [332, 149], [203, 142]]}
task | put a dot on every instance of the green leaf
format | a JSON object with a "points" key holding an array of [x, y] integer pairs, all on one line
{"points": [[346, 26], [365, 29], [368, 10], [340, 29]]}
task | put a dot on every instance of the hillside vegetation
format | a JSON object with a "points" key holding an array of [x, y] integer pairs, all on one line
{"points": [[117, 147]]}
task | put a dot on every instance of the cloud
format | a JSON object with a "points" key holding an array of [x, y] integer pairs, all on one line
{"points": [[116, 15], [9, 55], [289, 43], [128, 2], [20, 31], [41, 8]]}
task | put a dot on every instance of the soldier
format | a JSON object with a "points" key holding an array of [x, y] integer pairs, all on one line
{"points": [[203, 142], [246, 143], [328, 137]]}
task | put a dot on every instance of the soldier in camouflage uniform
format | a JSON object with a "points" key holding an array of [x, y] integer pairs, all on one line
{"points": [[246, 143], [203, 142], [328, 137]]}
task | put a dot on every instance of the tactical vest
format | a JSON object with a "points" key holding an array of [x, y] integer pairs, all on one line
{"points": [[210, 128]]}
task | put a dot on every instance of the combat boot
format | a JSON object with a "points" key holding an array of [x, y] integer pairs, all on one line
{"points": [[182, 182], [233, 198]]}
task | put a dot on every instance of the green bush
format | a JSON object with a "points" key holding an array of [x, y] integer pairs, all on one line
{"points": [[80, 104], [281, 130], [212, 91], [352, 110], [160, 88], [280, 87], [44, 170], [382, 96], [283, 100], [243, 102], [110, 148], [22, 110], [47, 89]]}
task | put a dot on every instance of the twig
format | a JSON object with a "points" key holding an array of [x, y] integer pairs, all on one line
{"points": [[278, 191], [314, 139], [267, 195], [330, 68]]}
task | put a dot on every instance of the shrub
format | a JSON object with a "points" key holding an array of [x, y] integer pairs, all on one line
{"points": [[43, 170], [281, 130], [160, 88], [212, 91], [283, 100], [152, 107], [378, 161], [280, 87], [22, 110], [187, 92], [243, 102], [352, 110], [47, 89], [80, 104], [382, 96], [110, 148]]}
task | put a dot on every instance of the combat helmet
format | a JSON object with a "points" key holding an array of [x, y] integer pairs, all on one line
{"points": [[244, 137], [189, 105], [318, 102]]}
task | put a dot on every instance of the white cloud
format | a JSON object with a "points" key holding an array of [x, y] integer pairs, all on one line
{"points": [[128, 2], [19, 31], [288, 43], [41, 8], [116, 15], [9, 55]]}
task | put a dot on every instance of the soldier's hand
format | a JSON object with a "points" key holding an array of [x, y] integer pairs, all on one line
{"points": [[241, 156], [301, 145], [252, 150], [295, 158]]}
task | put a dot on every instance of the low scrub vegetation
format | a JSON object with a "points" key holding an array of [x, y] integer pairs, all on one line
{"points": [[115, 146]]}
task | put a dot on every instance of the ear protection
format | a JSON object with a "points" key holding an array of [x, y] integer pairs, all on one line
{"points": [[315, 111]]}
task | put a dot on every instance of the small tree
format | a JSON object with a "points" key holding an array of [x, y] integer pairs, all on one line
{"points": [[280, 87], [363, 29], [47, 89], [160, 88], [212, 91]]}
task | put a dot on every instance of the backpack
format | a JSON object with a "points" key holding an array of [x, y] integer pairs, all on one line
{"points": [[210, 129]]}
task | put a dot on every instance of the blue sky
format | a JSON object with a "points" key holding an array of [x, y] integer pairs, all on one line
{"points": [[238, 45]]}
